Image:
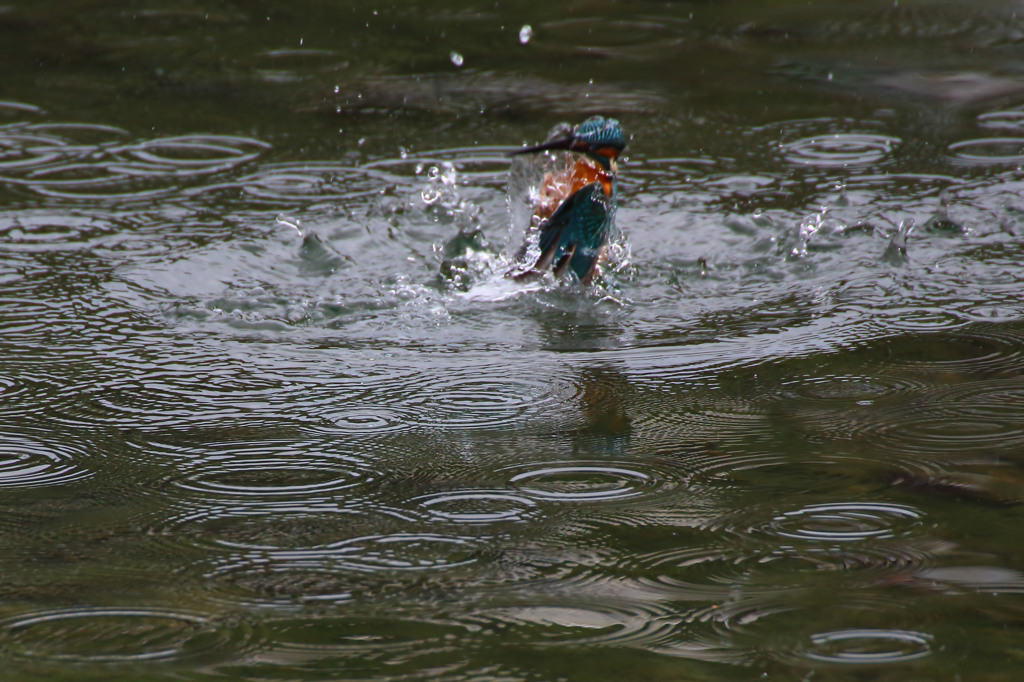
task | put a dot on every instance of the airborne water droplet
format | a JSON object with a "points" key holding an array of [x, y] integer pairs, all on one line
{"points": [[525, 33], [456, 58]]}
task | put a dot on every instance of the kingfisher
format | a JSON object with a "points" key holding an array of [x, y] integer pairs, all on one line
{"points": [[575, 215]]}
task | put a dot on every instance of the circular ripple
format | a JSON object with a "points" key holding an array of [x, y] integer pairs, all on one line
{"points": [[28, 149], [558, 622], [83, 136], [20, 150], [195, 152], [389, 553], [978, 348], [991, 400], [360, 568], [394, 645], [376, 419], [989, 579], [614, 37], [261, 527], [11, 107], [300, 182], [1012, 120], [989, 151], [774, 624], [478, 506], [16, 396], [926, 402], [691, 423], [88, 162], [737, 615], [712, 572], [839, 149], [586, 481], [849, 388], [252, 585], [469, 399], [407, 552], [965, 418], [113, 635], [696, 572], [357, 633], [930, 431], [869, 646], [294, 474], [251, 544], [846, 522], [26, 461]]}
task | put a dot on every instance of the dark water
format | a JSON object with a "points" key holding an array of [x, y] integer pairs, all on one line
{"points": [[270, 412]]}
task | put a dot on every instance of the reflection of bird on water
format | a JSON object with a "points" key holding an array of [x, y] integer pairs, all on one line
{"points": [[576, 208]]}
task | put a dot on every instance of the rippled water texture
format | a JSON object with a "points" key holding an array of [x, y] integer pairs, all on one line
{"points": [[269, 409]]}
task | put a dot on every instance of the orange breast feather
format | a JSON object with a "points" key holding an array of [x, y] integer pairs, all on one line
{"points": [[561, 184]]}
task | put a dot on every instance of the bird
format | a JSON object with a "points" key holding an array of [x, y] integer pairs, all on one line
{"points": [[575, 213]]}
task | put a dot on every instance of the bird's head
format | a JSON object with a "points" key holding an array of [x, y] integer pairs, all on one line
{"points": [[599, 138]]}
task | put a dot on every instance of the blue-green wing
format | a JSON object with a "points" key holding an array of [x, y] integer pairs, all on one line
{"points": [[575, 234]]}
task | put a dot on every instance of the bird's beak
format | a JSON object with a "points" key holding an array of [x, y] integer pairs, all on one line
{"points": [[566, 143]]}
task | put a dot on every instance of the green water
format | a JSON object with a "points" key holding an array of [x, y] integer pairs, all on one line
{"points": [[269, 410]]}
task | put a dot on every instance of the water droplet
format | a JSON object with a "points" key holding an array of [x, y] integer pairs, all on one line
{"points": [[288, 221], [896, 251], [525, 33], [456, 58]]}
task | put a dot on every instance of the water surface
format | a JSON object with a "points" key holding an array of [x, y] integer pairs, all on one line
{"points": [[270, 411]]}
